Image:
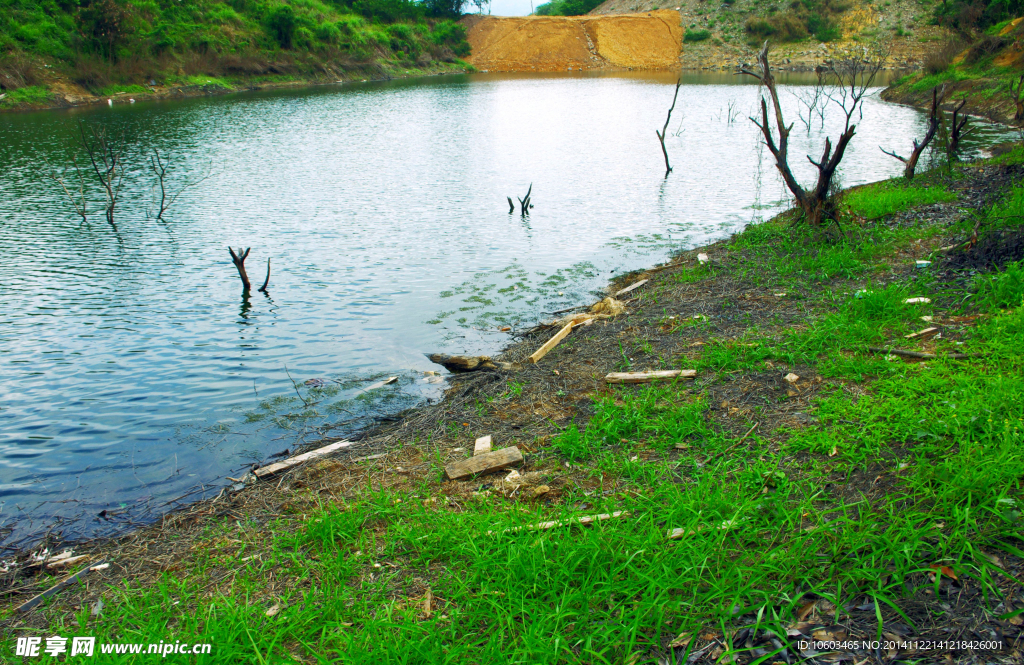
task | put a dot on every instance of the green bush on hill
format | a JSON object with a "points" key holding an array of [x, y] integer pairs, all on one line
{"points": [[566, 7], [803, 18], [696, 35], [102, 42]]}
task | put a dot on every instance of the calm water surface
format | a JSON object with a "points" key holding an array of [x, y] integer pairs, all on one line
{"points": [[132, 369]]}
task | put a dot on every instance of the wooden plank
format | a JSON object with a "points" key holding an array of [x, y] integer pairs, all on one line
{"points": [[271, 469], [646, 377], [930, 331], [482, 445], [484, 463], [67, 581], [631, 287], [551, 343]]}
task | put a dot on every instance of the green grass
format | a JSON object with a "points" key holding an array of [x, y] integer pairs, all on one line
{"points": [[696, 35], [35, 94], [887, 198]]}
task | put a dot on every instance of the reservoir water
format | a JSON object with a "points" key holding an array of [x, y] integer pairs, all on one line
{"points": [[133, 371]]}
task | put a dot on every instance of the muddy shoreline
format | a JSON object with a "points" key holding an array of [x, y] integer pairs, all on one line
{"points": [[66, 97]]}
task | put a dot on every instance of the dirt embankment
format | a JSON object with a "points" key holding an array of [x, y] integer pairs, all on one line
{"points": [[651, 40]]}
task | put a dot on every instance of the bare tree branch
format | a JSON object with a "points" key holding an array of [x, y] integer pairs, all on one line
{"points": [[661, 134], [239, 261], [106, 156], [160, 167], [78, 202], [938, 95]]}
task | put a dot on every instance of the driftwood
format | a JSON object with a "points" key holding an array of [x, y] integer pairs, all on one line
{"points": [[586, 520], [466, 363], [67, 581], [922, 356], [271, 469], [484, 463], [647, 377]]}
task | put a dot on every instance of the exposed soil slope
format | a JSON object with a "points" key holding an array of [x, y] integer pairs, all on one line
{"points": [[903, 22], [558, 43]]}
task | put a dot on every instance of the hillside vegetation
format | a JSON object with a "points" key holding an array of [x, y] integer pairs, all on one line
{"points": [[982, 65], [103, 46]]}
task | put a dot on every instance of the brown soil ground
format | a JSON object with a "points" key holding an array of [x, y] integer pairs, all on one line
{"points": [[559, 43]]}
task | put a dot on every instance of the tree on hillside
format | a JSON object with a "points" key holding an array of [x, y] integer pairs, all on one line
{"points": [[108, 23], [847, 82]]}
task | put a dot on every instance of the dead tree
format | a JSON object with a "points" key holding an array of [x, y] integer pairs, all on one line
{"points": [[850, 82], [956, 131], [661, 134], [511, 206], [77, 201], [107, 157], [239, 261], [910, 163], [813, 101], [160, 167], [524, 203], [1016, 90]]}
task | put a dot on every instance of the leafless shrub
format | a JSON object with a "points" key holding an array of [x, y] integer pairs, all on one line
{"points": [[160, 165], [17, 71], [941, 58]]}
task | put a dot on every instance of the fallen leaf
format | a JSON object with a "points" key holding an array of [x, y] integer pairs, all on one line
{"points": [[944, 570], [805, 609], [274, 609], [681, 640]]}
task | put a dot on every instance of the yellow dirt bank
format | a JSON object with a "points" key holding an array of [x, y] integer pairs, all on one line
{"points": [[651, 40]]}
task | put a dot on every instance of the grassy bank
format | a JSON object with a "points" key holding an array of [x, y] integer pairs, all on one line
{"points": [[872, 496], [57, 54], [982, 70]]}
